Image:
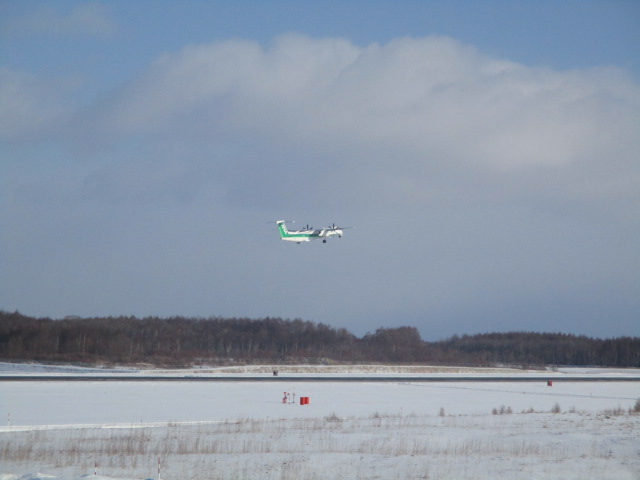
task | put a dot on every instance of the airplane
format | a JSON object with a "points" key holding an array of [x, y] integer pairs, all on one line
{"points": [[308, 233]]}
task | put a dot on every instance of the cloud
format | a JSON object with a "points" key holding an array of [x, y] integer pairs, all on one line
{"points": [[390, 119], [30, 104], [87, 19]]}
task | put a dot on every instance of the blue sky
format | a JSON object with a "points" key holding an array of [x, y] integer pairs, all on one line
{"points": [[487, 153]]}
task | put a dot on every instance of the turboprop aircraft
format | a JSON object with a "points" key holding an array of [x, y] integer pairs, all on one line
{"points": [[309, 233]]}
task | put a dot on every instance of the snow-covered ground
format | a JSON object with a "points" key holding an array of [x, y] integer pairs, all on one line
{"points": [[403, 429]]}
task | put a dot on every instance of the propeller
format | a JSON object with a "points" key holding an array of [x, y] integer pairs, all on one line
{"points": [[333, 227]]}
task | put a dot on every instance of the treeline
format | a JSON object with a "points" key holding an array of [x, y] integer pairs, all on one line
{"points": [[182, 341]]}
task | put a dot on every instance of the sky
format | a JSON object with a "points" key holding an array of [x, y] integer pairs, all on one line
{"points": [[487, 155]]}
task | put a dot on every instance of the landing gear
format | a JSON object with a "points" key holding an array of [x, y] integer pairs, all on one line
{"points": [[324, 240]]}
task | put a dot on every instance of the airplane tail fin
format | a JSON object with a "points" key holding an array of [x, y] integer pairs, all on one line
{"points": [[282, 228]]}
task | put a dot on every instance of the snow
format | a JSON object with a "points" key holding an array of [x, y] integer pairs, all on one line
{"points": [[43, 476], [399, 429]]}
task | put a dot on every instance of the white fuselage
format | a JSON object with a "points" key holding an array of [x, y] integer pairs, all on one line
{"points": [[306, 235]]}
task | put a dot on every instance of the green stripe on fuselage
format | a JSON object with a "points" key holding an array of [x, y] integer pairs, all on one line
{"points": [[284, 233]]}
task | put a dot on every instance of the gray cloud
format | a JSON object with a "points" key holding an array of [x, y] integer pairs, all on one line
{"points": [[88, 18], [30, 105], [399, 112]]}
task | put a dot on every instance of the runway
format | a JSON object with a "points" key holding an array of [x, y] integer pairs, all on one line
{"points": [[323, 378]]}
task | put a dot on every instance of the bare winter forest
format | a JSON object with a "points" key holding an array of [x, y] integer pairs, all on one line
{"points": [[183, 341]]}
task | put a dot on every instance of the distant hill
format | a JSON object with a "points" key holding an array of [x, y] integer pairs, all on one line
{"points": [[179, 341]]}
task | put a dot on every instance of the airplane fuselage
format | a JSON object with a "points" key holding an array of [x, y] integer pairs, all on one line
{"points": [[306, 235]]}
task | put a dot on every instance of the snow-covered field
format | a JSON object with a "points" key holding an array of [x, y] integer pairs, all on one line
{"points": [[403, 429]]}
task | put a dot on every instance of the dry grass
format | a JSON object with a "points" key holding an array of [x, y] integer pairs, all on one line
{"points": [[503, 410], [362, 447]]}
